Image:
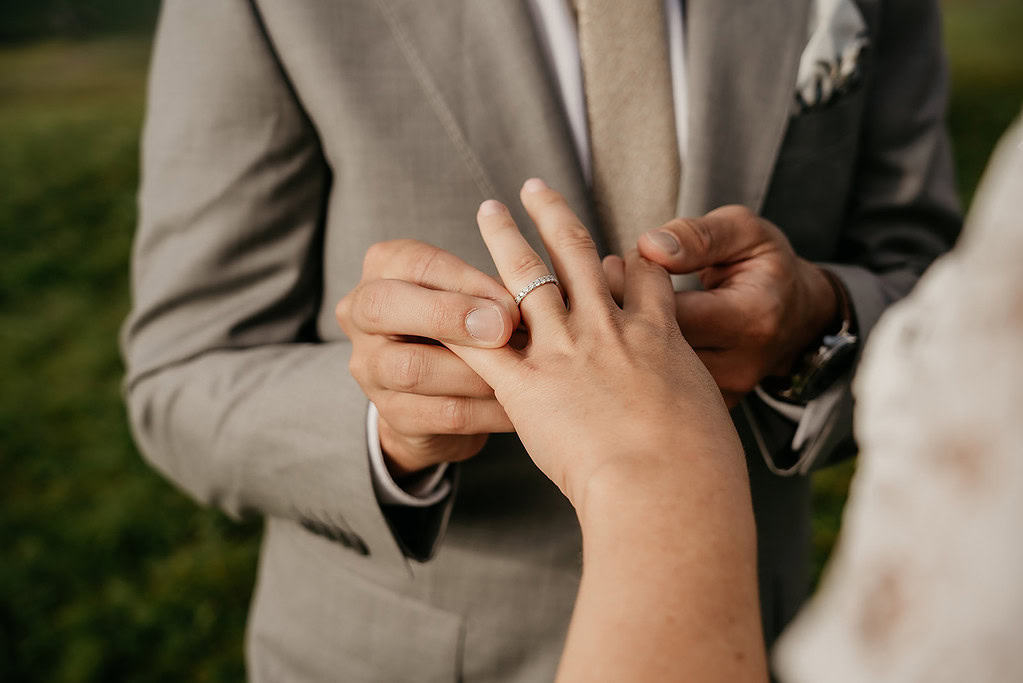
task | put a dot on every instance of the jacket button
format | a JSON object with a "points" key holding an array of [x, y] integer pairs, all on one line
{"points": [[336, 534]]}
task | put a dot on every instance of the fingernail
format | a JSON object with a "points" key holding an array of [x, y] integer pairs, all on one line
{"points": [[664, 241], [534, 185], [491, 207], [485, 324]]}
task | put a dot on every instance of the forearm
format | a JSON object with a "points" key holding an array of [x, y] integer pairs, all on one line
{"points": [[232, 427], [669, 588], [278, 430]]}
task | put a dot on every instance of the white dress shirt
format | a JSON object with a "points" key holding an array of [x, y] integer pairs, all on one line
{"points": [[556, 30]]}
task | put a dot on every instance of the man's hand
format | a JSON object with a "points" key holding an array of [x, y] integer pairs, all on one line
{"points": [[433, 408], [762, 305]]}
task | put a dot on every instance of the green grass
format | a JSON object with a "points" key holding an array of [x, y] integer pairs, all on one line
{"points": [[985, 39], [107, 572]]}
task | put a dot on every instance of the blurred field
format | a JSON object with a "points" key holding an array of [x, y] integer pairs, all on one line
{"points": [[107, 572]]}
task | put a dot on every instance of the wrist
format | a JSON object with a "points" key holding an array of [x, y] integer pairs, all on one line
{"points": [[659, 479], [826, 305], [826, 356], [696, 494], [614, 488], [822, 316]]}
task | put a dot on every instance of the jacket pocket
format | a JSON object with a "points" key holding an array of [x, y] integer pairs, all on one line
{"points": [[810, 187], [313, 620], [824, 129]]}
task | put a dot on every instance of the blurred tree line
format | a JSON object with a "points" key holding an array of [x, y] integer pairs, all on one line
{"points": [[25, 20]]}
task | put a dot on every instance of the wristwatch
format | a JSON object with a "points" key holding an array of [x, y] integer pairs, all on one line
{"points": [[824, 361]]}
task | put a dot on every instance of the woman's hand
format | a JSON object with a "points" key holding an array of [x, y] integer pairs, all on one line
{"points": [[614, 406], [598, 390]]}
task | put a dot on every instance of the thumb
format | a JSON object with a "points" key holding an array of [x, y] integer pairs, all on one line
{"points": [[686, 245]]}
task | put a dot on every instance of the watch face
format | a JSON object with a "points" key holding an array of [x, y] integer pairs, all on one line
{"points": [[837, 354], [817, 372]]}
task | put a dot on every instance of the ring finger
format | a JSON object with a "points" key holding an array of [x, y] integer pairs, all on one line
{"points": [[518, 264]]}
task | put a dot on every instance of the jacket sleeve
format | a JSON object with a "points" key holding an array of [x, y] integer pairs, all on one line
{"points": [[231, 393], [903, 211]]}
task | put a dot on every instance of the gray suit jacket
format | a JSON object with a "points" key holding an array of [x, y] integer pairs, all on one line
{"points": [[284, 138]]}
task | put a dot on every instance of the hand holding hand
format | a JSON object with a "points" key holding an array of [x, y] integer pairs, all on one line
{"points": [[615, 407], [762, 304], [433, 408], [598, 388]]}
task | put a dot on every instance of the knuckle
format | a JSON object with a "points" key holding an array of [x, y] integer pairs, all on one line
{"points": [[376, 255], [525, 267], [700, 234], [402, 416], [398, 417], [454, 415], [408, 369], [440, 317], [374, 301], [774, 269], [574, 236], [766, 323], [734, 212], [343, 310], [549, 197], [649, 329], [385, 406], [504, 222], [422, 258], [611, 323], [740, 212], [694, 233], [749, 220], [357, 367]]}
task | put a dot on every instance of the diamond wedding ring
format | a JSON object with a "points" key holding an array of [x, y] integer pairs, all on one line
{"points": [[546, 279]]}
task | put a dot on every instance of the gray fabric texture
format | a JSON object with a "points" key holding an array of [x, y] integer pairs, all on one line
{"points": [[284, 138]]}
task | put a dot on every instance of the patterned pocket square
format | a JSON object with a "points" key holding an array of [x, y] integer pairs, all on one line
{"points": [[830, 65]]}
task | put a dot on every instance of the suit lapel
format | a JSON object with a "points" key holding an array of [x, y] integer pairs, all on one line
{"points": [[480, 64], [742, 61]]}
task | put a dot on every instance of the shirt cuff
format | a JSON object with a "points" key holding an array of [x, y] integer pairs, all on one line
{"points": [[810, 419], [788, 410], [428, 488]]}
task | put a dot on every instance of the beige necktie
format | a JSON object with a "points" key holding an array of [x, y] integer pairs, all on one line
{"points": [[624, 51]]}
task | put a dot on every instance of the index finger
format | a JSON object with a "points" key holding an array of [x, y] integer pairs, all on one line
{"points": [[519, 265], [434, 268], [397, 307]]}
